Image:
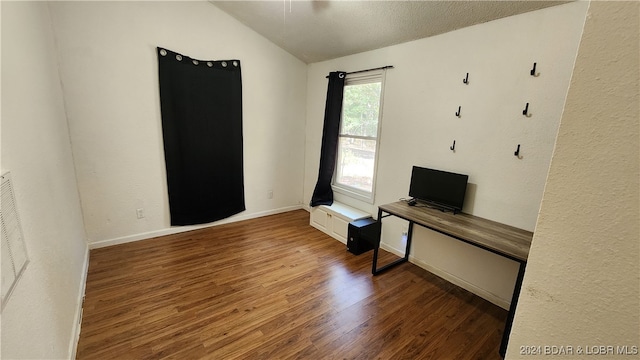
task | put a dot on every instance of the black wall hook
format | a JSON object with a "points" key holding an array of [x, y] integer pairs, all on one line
{"points": [[453, 147], [517, 152], [525, 112], [466, 79], [533, 71], [458, 113]]}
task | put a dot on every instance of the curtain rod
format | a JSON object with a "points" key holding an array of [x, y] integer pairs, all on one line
{"points": [[360, 71]]}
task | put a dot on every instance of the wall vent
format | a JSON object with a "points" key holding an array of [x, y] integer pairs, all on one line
{"points": [[14, 252]]}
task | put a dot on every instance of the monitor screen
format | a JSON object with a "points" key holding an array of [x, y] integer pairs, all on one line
{"points": [[442, 188]]}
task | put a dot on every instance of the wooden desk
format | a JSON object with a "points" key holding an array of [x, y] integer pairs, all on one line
{"points": [[501, 239]]}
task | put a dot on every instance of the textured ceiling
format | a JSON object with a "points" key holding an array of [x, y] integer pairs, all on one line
{"points": [[320, 30]]}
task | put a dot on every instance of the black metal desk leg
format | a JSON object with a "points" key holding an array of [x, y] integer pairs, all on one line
{"points": [[377, 246], [512, 310], [374, 269], [407, 248]]}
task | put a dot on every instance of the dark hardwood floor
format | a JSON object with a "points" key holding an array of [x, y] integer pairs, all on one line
{"points": [[274, 288]]}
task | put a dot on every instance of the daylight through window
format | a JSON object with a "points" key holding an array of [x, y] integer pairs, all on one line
{"points": [[358, 139]]}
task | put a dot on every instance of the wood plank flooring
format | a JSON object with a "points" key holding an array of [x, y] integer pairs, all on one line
{"points": [[274, 288]]}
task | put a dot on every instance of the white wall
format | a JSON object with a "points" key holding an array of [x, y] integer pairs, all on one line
{"points": [[39, 321], [422, 94], [109, 73], [582, 283]]}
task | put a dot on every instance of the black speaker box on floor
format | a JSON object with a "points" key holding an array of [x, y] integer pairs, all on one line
{"points": [[363, 235]]}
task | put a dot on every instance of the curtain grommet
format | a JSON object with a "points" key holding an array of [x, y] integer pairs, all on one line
{"points": [[163, 52], [235, 63], [195, 62], [179, 57], [209, 64], [224, 64]]}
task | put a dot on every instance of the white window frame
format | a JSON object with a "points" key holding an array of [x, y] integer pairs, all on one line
{"points": [[365, 196]]}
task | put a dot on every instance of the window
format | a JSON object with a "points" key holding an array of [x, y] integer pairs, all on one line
{"points": [[358, 139]]}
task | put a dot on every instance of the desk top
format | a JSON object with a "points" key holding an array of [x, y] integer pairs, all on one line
{"points": [[503, 239]]}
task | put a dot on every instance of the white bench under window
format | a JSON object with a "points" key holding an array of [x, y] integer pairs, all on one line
{"points": [[334, 219]]}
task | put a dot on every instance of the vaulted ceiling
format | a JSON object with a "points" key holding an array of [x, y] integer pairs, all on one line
{"points": [[320, 30]]}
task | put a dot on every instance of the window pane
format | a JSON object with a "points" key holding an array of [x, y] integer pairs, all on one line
{"points": [[360, 106], [355, 163]]}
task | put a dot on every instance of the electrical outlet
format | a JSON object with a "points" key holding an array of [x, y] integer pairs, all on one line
{"points": [[140, 213], [269, 194]]}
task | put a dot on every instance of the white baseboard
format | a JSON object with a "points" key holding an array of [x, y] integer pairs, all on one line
{"points": [[77, 323], [487, 295], [180, 229]]}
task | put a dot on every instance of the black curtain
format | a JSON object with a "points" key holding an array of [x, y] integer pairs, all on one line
{"points": [[201, 104], [322, 194]]}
